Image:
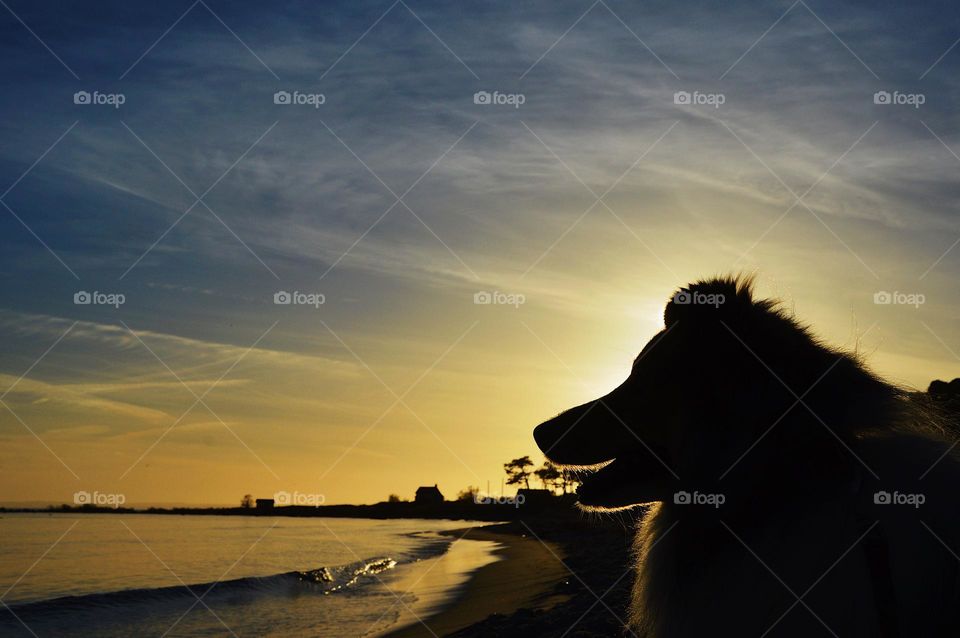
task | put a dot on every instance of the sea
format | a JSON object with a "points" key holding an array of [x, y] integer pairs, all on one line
{"points": [[108, 575]]}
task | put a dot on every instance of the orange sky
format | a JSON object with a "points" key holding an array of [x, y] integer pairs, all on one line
{"points": [[404, 195]]}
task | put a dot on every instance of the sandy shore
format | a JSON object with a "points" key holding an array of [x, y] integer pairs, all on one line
{"points": [[525, 576]]}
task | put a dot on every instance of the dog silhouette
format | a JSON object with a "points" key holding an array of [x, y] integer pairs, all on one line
{"points": [[791, 491]]}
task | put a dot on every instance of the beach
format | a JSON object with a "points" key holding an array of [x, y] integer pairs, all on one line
{"points": [[547, 580], [523, 576], [541, 574], [110, 575]]}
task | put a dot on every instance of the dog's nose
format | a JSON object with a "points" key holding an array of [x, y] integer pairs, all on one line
{"points": [[543, 436], [580, 436]]}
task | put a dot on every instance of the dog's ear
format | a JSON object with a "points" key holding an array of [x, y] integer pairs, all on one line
{"points": [[727, 299]]}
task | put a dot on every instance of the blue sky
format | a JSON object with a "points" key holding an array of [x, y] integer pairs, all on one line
{"points": [[492, 197]]}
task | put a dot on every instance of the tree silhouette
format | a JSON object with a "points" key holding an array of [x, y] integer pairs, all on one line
{"points": [[549, 475], [568, 480], [469, 494], [247, 501], [517, 471]]}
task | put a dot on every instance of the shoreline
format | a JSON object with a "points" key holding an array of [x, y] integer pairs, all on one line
{"points": [[501, 580], [524, 575], [450, 510]]}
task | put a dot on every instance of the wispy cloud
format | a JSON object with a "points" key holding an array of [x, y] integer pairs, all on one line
{"points": [[506, 201]]}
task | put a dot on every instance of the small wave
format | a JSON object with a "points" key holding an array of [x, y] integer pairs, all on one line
{"points": [[430, 545], [325, 580], [371, 568]]}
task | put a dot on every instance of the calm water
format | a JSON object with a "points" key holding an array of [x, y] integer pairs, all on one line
{"points": [[123, 575]]}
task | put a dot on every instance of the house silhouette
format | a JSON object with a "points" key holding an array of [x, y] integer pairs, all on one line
{"points": [[428, 494]]}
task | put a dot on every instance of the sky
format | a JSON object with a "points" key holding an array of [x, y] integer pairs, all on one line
{"points": [[397, 164]]}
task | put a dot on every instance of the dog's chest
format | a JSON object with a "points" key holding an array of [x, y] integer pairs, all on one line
{"points": [[793, 578]]}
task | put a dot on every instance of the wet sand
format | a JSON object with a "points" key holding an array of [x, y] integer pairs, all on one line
{"points": [[524, 576]]}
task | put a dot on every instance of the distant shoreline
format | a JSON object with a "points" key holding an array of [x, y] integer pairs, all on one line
{"points": [[453, 510]]}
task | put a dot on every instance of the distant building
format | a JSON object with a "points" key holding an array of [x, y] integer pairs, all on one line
{"points": [[264, 503], [428, 494]]}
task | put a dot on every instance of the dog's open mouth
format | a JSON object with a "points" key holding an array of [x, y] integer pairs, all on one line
{"points": [[639, 476], [616, 468]]}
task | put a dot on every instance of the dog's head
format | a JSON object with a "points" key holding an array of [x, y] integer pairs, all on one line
{"points": [[723, 375]]}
